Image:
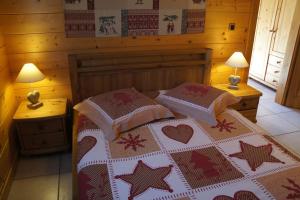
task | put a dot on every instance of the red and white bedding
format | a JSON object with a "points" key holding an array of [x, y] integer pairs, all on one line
{"points": [[186, 159]]}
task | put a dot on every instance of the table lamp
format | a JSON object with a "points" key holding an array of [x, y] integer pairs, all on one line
{"points": [[30, 74], [237, 60]]}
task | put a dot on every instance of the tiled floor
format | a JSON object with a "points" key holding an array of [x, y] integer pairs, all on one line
{"points": [[281, 122], [43, 178], [50, 178]]}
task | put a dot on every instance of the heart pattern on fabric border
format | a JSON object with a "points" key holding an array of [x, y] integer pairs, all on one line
{"points": [[240, 195], [84, 146], [181, 133]]}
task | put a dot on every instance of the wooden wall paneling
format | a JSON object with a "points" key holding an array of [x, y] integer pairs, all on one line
{"points": [[1, 38], [44, 60], [49, 42], [6, 133], [228, 6], [53, 77], [8, 153], [3, 58], [49, 92], [6, 92], [58, 59], [7, 163], [293, 94], [30, 6], [32, 23], [5, 95], [35, 33], [222, 19], [55, 85]]}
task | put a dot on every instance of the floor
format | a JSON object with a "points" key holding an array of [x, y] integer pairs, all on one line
{"points": [[50, 178], [43, 178], [281, 122]]}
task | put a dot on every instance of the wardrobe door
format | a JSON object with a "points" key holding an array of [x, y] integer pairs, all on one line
{"points": [[283, 27], [263, 37]]}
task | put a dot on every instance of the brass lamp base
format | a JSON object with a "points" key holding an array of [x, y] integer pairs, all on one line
{"points": [[33, 98], [234, 80]]}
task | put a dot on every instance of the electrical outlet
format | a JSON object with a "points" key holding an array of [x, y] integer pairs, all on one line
{"points": [[231, 26]]}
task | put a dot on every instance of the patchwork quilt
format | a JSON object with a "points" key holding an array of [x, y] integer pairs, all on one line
{"points": [[186, 159]]}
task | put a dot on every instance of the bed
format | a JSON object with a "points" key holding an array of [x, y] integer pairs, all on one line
{"points": [[233, 160]]}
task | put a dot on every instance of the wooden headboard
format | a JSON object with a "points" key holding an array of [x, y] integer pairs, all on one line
{"points": [[96, 73]]}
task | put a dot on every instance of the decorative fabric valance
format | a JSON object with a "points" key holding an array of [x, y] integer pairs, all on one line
{"points": [[113, 18]]}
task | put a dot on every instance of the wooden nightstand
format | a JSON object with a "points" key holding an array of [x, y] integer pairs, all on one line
{"points": [[249, 102], [42, 130]]}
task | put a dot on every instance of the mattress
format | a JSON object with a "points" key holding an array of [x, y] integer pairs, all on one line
{"points": [[184, 158]]}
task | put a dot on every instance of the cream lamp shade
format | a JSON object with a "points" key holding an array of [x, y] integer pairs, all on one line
{"points": [[237, 60], [29, 74]]}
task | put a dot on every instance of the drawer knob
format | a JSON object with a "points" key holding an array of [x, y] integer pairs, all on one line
{"points": [[278, 62], [276, 72], [244, 104], [274, 81]]}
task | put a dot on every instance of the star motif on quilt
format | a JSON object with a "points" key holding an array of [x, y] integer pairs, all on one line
{"points": [[145, 177], [132, 141], [224, 125], [256, 156], [293, 189]]}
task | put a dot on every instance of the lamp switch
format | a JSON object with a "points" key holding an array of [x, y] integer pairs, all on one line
{"points": [[231, 26]]}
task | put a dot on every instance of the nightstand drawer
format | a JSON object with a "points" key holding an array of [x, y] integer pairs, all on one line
{"points": [[41, 126], [247, 104], [249, 99], [43, 130], [249, 114], [43, 141]]}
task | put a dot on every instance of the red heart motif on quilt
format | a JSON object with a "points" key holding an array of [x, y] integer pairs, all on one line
{"points": [[240, 195], [181, 133], [84, 146]]}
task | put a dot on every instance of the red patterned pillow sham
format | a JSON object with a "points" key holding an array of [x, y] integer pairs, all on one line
{"points": [[121, 110], [199, 101]]}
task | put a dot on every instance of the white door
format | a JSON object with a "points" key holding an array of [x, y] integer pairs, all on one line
{"points": [[263, 37], [283, 28]]}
